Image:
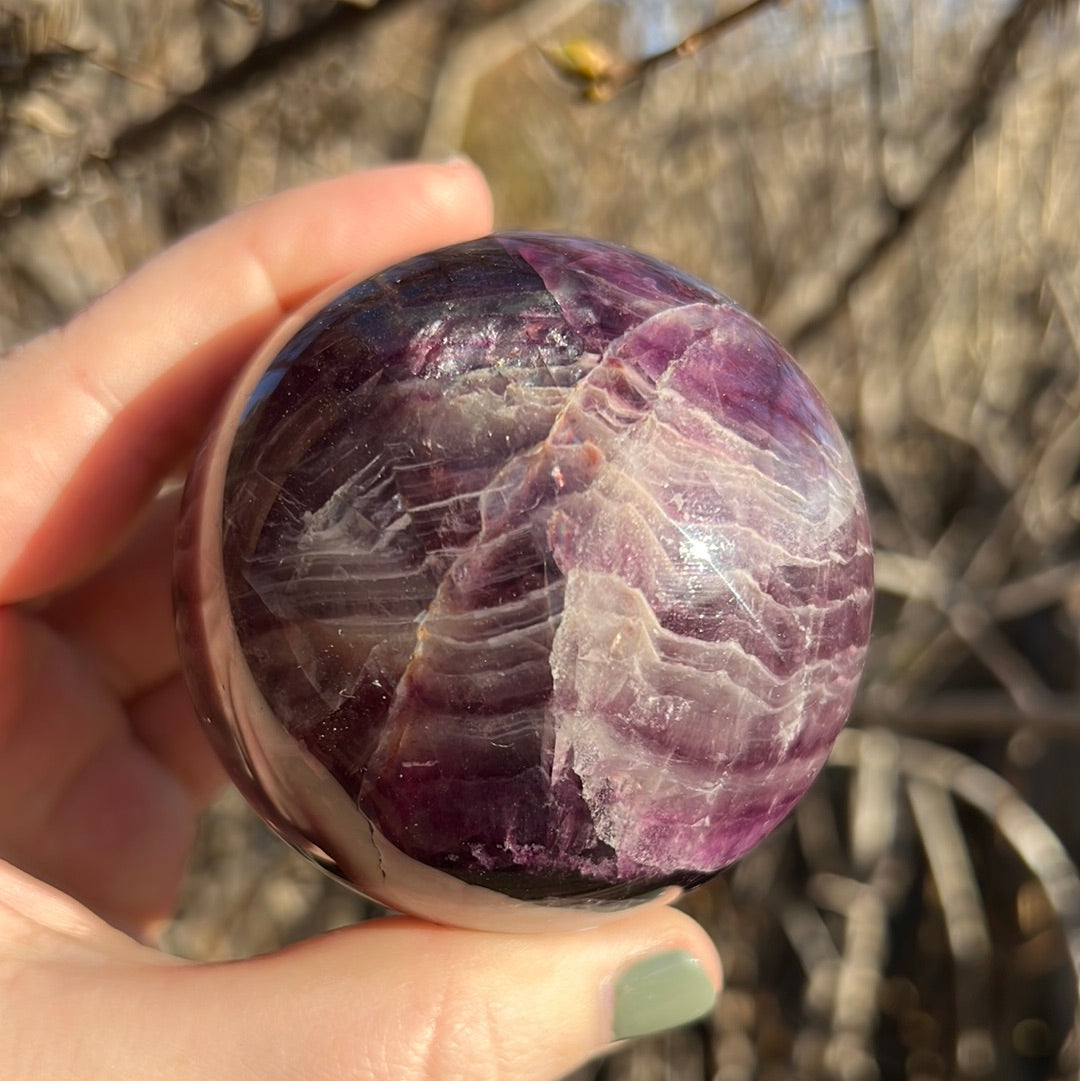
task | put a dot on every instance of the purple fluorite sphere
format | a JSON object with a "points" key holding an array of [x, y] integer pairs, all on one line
{"points": [[525, 580]]}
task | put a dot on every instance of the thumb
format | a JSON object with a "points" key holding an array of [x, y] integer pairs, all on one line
{"points": [[400, 1000]]}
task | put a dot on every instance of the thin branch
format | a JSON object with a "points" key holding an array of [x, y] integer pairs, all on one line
{"points": [[875, 91], [601, 76], [966, 924], [252, 10], [962, 715]]}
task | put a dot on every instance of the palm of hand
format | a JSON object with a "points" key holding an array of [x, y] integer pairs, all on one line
{"points": [[103, 769]]}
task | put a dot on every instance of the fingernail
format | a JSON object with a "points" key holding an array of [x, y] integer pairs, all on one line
{"points": [[458, 158], [660, 992]]}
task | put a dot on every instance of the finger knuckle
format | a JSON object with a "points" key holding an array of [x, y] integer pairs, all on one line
{"points": [[468, 1037]]}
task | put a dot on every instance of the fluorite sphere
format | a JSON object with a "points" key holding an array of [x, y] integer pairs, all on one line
{"points": [[525, 581]]}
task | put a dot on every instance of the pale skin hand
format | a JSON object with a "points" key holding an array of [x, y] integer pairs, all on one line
{"points": [[103, 766]]}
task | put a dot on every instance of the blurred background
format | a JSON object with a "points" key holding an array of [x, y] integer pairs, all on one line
{"points": [[893, 187]]}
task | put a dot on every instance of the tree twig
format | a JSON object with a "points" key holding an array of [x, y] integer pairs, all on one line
{"points": [[602, 81]]}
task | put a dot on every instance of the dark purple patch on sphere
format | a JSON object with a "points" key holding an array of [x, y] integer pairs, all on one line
{"points": [[547, 554]]}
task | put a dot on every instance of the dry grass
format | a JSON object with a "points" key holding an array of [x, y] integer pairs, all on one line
{"points": [[893, 187]]}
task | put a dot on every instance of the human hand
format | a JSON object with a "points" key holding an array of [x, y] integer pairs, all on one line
{"points": [[103, 766]]}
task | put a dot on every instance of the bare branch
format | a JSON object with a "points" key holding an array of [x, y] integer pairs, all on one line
{"points": [[874, 89]]}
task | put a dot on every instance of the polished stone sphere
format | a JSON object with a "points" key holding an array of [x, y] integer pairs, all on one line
{"points": [[525, 581]]}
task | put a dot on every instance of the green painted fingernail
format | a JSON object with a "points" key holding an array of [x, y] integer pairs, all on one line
{"points": [[661, 992]]}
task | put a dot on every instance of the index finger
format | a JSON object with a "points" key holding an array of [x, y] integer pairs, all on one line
{"points": [[94, 414]]}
